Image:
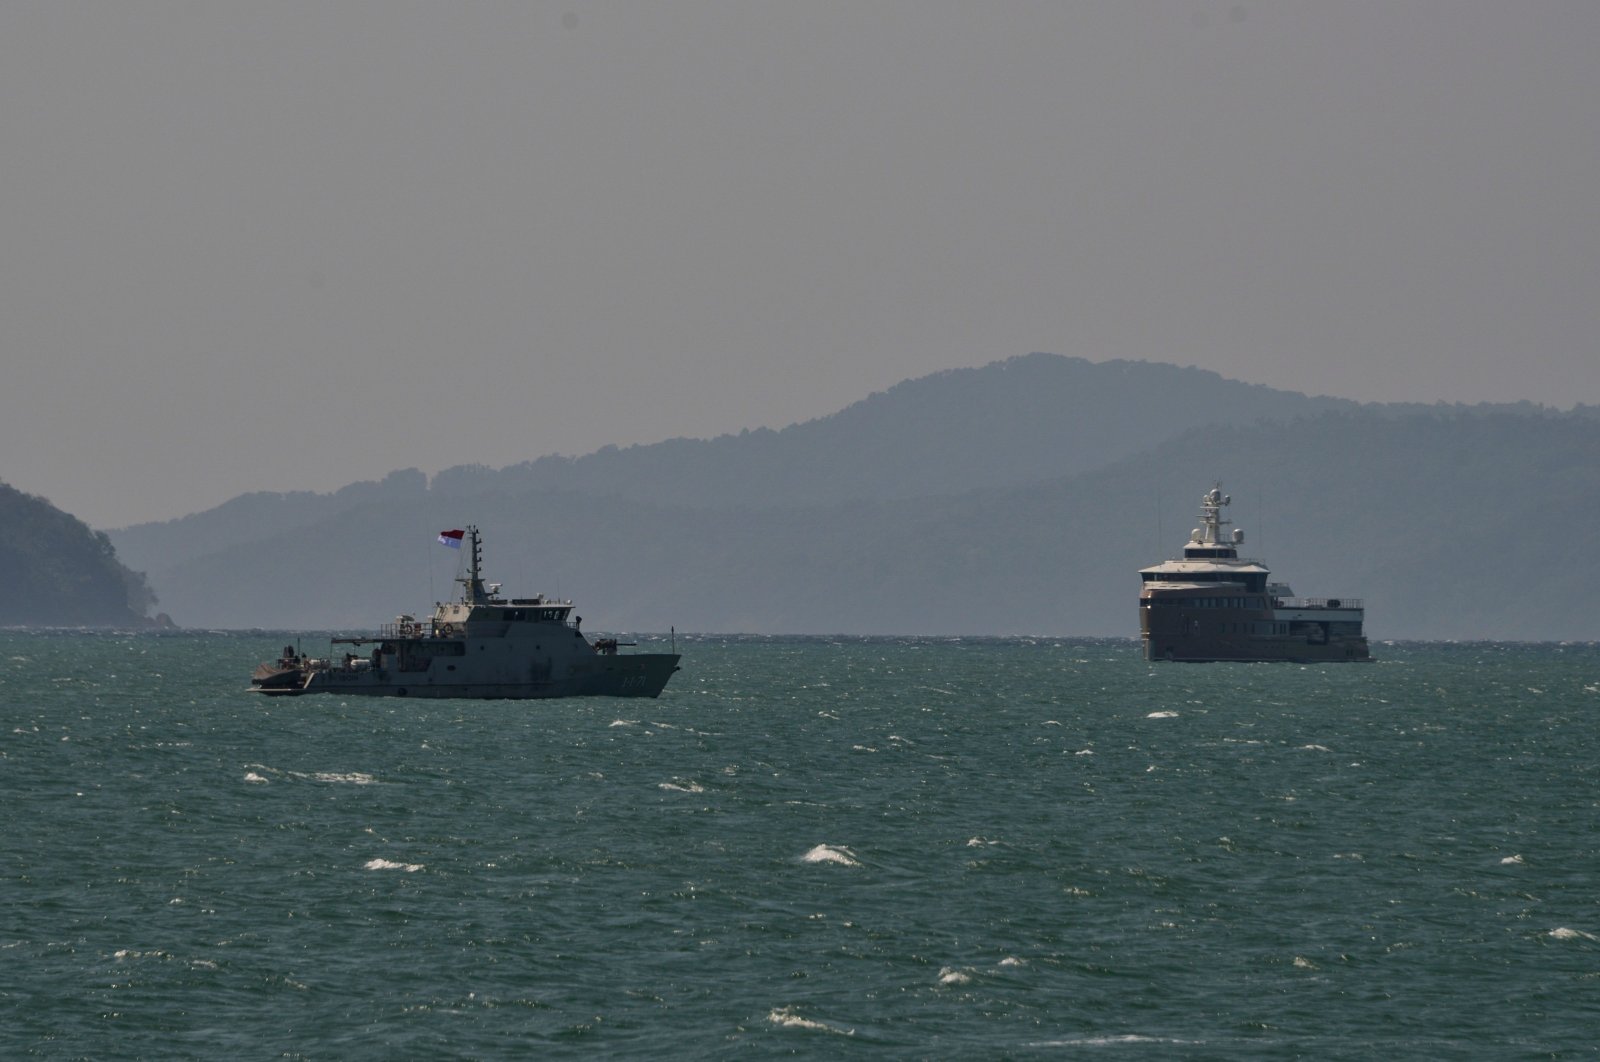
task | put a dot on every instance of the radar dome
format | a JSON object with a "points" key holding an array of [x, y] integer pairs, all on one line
{"points": [[1194, 536], [1215, 496], [1238, 535]]}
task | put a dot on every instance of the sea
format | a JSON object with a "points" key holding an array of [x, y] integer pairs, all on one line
{"points": [[824, 847]]}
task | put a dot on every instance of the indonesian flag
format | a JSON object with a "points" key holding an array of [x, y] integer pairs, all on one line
{"points": [[451, 538]]}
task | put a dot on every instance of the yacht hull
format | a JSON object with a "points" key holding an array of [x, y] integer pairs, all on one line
{"points": [[1185, 627], [1255, 651]]}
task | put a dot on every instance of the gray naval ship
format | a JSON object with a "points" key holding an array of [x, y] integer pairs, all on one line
{"points": [[480, 646]]}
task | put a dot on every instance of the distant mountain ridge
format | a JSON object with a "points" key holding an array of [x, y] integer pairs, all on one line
{"points": [[1044, 484], [1015, 421]]}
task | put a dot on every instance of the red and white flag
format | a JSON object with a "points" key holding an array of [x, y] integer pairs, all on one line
{"points": [[451, 538]]}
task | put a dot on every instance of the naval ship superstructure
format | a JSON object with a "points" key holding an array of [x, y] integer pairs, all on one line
{"points": [[479, 646], [1211, 604]]}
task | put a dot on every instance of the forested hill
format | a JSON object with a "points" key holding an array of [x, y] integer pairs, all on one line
{"points": [[1450, 524], [1009, 423], [56, 572], [1012, 422]]}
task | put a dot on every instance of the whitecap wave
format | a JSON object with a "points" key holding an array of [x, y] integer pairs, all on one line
{"points": [[1564, 933], [1512, 861], [1106, 1041], [254, 779], [389, 864], [949, 975], [1163, 714], [786, 1018], [265, 773], [681, 787], [827, 854]]}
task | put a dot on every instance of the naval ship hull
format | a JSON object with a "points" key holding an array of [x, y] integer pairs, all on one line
{"points": [[634, 675]]}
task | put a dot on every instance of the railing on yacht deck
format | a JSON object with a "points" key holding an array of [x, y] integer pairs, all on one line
{"points": [[1317, 602]]}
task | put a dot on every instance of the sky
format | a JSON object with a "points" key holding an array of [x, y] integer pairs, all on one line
{"points": [[289, 246]]}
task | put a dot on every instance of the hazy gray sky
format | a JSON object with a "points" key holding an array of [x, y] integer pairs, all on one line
{"points": [[278, 246]]}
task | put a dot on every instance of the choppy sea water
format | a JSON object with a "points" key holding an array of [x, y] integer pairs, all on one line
{"points": [[820, 847]]}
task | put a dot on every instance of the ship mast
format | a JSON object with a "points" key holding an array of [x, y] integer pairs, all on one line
{"points": [[472, 592], [1211, 539], [1211, 519]]}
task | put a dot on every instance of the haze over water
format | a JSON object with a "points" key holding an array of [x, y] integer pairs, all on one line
{"points": [[916, 848]]}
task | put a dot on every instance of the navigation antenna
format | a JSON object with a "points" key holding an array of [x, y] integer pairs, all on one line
{"points": [[1261, 520], [1159, 533]]}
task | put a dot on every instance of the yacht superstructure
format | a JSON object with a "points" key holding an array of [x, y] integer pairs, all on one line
{"points": [[1211, 604]]}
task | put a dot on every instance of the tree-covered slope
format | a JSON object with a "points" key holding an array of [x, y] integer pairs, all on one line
{"points": [[1448, 524], [1005, 424], [1008, 423], [56, 572]]}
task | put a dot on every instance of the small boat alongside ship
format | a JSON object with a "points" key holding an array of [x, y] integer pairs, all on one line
{"points": [[1212, 605], [481, 646]]}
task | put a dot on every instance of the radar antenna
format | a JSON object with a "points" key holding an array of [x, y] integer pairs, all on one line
{"points": [[1212, 521]]}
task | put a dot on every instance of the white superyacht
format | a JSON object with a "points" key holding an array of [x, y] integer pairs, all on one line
{"points": [[1212, 604]]}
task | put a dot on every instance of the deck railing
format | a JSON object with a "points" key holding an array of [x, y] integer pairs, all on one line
{"points": [[1317, 602], [413, 629]]}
